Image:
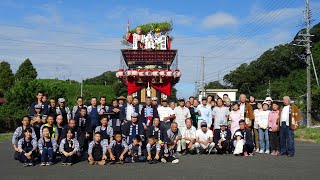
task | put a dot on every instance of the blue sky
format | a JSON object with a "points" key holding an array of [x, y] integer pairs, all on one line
{"points": [[81, 39]]}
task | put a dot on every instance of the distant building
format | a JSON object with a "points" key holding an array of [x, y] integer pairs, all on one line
{"points": [[219, 93]]}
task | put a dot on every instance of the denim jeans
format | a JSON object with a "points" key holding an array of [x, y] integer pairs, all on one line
{"points": [[47, 153], [286, 140], [264, 139]]}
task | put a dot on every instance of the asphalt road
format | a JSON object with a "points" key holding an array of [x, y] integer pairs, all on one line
{"points": [[304, 166]]}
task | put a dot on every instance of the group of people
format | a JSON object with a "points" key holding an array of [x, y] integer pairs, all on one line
{"points": [[127, 131]]}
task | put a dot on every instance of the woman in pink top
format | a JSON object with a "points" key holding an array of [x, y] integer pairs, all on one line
{"points": [[234, 118], [273, 129]]}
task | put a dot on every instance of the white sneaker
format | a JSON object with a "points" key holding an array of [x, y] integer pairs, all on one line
{"points": [[163, 160], [257, 150], [261, 151], [267, 152], [176, 161]]}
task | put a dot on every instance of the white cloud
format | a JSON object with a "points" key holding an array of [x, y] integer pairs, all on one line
{"points": [[219, 19]]}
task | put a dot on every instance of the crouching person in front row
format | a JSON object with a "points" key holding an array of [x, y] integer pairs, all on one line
{"points": [[135, 151], [97, 150], [204, 139], [153, 150], [117, 149], [222, 139], [47, 147], [169, 154], [69, 147], [26, 148]]}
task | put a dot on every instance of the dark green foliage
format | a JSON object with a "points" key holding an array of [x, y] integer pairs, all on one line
{"points": [[6, 77], [26, 71], [286, 72], [163, 26]]}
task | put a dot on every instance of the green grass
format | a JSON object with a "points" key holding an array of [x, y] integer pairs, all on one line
{"points": [[308, 134], [5, 136]]}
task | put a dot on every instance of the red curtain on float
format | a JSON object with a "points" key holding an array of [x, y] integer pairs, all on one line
{"points": [[132, 86], [164, 87]]}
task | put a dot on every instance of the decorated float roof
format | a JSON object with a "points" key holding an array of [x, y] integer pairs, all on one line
{"points": [[146, 57]]}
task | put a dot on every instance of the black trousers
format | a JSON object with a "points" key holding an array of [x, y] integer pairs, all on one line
{"points": [[69, 159], [248, 148], [225, 147], [274, 141]]}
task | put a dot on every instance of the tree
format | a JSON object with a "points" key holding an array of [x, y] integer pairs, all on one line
{"points": [[6, 77], [215, 85], [26, 71]]}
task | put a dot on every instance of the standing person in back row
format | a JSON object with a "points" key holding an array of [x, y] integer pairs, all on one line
{"points": [[76, 109], [93, 113], [182, 113], [64, 111], [289, 119], [205, 113], [127, 109], [246, 111], [220, 114]]}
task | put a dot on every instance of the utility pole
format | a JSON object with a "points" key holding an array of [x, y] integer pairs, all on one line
{"points": [[308, 64], [269, 89], [202, 81], [305, 42]]}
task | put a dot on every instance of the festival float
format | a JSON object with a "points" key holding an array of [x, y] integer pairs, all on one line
{"points": [[149, 67]]}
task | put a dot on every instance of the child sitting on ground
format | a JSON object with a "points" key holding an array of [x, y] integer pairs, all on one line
{"points": [[117, 149], [97, 150], [69, 147], [168, 155], [135, 151], [27, 147], [153, 150], [47, 147]]}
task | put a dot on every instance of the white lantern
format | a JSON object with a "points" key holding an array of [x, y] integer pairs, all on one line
{"points": [[119, 74], [162, 73], [127, 72], [141, 73], [134, 73], [168, 73], [155, 73], [148, 73], [177, 74]]}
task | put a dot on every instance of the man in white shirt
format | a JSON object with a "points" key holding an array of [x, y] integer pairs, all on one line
{"points": [[204, 139], [188, 137], [165, 114], [205, 113], [182, 113], [289, 119]]}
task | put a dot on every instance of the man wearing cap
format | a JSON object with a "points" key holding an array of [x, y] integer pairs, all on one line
{"points": [[220, 114], [165, 114], [288, 121], [182, 113], [205, 113], [155, 102], [133, 128], [222, 138], [148, 112], [121, 100], [204, 139], [128, 109], [246, 111], [64, 111]]}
